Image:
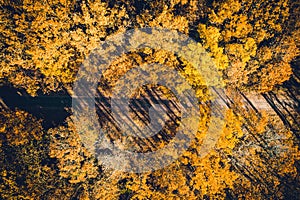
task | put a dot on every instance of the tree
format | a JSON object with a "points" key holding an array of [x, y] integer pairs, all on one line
{"points": [[35, 35], [23, 171], [252, 44], [240, 35]]}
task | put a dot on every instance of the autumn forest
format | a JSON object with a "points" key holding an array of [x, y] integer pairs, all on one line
{"points": [[247, 131]]}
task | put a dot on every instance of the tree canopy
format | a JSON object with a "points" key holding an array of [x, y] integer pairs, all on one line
{"points": [[255, 48]]}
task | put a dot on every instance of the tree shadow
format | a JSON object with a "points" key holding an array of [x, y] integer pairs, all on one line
{"points": [[51, 108]]}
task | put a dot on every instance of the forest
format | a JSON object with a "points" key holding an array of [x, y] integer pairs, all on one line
{"points": [[252, 151]]}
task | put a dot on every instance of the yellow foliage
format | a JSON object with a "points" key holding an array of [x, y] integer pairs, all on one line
{"points": [[224, 10], [43, 44], [46, 39], [243, 27], [65, 145], [168, 20], [165, 19], [232, 132], [211, 36], [238, 27], [20, 127]]}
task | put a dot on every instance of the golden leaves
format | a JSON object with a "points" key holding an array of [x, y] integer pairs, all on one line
{"points": [[54, 41], [167, 19], [242, 28], [225, 10], [19, 127], [237, 27], [276, 61], [75, 162], [212, 175], [232, 132], [50, 40], [211, 36]]}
